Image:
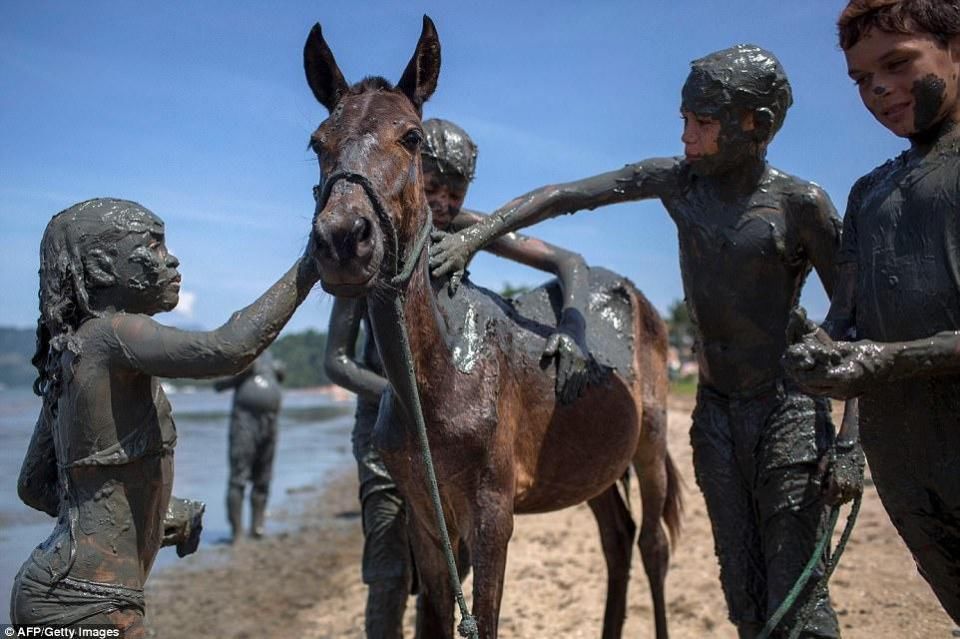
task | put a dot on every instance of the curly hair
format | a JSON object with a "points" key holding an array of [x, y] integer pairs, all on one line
{"points": [[744, 76], [940, 18]]}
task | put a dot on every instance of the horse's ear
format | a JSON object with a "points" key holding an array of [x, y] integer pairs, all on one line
{"points": [[323, 74], [419, 81]]}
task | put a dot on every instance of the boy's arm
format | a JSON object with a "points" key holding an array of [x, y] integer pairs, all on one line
{"points": [[39, 485], [159, 350], [833, 256], [568, 344], [818, 227], [647, 179], [340, 361]]}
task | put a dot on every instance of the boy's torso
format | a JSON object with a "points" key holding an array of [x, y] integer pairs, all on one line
{"points": [[743, 268], [908, 247]]}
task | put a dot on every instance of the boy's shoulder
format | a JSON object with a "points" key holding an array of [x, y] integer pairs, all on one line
{"points": [[879, 175], [795, 190]]}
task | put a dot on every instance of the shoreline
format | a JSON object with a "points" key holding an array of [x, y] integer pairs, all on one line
{"points": [[256, 588], [305, 582]]}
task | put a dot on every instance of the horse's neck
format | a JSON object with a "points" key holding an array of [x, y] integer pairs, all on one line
{"points": [[425, 332]]}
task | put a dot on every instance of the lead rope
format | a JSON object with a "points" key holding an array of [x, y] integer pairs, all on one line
{"points": [[468, 623], [831, 563]]}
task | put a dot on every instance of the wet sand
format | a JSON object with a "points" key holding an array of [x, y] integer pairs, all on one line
{"points": [[305, 582]]}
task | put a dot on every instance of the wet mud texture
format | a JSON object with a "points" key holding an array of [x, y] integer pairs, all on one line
{"points": [[307, 583], [101, 456], [902, 230], [928, 95], [756, 464]]}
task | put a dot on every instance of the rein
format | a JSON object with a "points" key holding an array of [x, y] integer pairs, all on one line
{"points": [[399, 278], [832, 559]]}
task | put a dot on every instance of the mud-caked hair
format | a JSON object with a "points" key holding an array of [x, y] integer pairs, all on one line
{"points": [[744, 77], [64, 294], [939, 18], [449, 149]]}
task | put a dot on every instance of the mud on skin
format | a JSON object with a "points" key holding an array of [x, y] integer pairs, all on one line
{"points": [[105, 467], [749, 235], [905, 309], [928, 95]]}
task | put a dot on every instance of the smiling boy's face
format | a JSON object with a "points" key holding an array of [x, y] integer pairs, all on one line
{"points": [[909, 82]]}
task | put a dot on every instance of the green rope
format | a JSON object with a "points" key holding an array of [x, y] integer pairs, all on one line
{"points": [[832, 560], [831, 565], [468, 624]]}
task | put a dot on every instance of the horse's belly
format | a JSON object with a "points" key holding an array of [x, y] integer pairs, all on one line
{"points": [[574, 469]]}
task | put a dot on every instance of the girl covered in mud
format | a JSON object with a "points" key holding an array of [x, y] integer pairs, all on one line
{"points": [[101, 456]]}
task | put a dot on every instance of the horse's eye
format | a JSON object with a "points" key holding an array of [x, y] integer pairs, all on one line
{"points": [[412, 139]]}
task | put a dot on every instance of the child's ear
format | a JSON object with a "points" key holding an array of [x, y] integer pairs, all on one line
{"points": [[762, 124], [98, 269]]}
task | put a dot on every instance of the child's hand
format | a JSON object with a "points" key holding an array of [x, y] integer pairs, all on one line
{"points": [[450, 253], [842, 473], [309, 271], [568, 346], [836, 369]]}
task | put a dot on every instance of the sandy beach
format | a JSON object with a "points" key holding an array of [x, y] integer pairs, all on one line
{"points": [[305, 582]]}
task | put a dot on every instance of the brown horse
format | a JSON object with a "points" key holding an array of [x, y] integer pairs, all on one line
{"points": [[501, 441]]}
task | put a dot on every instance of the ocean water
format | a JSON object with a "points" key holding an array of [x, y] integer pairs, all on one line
{"points": [[314, 442]]}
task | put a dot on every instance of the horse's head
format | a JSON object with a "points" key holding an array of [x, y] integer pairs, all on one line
{"points": [[371, 184]]}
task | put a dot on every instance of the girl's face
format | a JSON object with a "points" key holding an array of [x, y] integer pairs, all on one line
{"points": [[146, 272]]}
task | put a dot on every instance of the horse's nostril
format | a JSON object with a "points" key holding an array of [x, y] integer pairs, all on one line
{"points": [[320, 245], [361, 229]]}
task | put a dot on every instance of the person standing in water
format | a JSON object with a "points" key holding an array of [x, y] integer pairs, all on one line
{"points": [[253, 440]]}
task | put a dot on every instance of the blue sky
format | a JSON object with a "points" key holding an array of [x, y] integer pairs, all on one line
{"points": [[200, 111]]}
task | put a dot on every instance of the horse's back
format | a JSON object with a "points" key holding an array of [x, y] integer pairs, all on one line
{"points": [[623, 329]]}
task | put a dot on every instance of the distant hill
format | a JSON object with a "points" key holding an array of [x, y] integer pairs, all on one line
{"points": [[302, 354], [16, 348]]}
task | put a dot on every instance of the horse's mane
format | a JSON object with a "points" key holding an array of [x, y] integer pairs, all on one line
{"points": [[371, 83]]}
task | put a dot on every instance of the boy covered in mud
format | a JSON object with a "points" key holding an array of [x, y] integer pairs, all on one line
{"points": [[749, 235], [898, 282], [449, 160], [101, 455]]}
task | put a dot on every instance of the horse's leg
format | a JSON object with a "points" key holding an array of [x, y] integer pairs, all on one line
{"points": [[435, 603], [493, 527], [617, 532], [660, 498]]}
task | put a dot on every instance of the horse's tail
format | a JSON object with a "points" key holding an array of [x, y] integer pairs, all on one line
{"points": [[673, 504]]}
